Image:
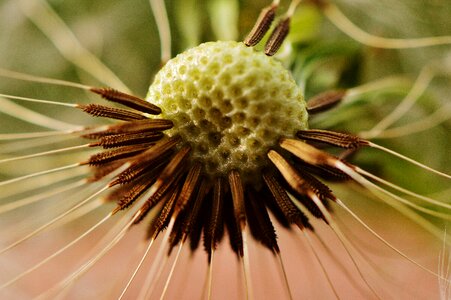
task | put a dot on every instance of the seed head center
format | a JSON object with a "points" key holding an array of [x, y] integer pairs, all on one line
{"points": [[230, 103]]}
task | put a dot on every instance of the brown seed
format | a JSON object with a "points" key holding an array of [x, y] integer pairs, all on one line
{"points": [[338, 139], [127, 100], [262, 25], [325, 101], [97, 110], [277, 37]]}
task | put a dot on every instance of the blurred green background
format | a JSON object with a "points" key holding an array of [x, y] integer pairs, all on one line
{"points": [[123, 35]]}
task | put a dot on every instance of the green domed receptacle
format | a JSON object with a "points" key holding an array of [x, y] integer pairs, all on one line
{"points": [[230, 103]]}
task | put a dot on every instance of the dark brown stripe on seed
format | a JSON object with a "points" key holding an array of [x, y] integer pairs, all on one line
{"points": [[259, 222], [325, 101], [298, 184], [291, 212], [137, 170], [97, 110], [195, 212], [133, 190], [236, 188], [262, 26], [277, 37], [177, 161], [165, 213], [127, 100], [198, 222], [189, 187], [141, 125], [308, 153], [337, 139], [127, 139], [112, 155], [233, 229], [215, 228], [99, 172]]}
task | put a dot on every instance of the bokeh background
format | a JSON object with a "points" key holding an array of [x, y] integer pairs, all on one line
{"points": [[123, 35]]}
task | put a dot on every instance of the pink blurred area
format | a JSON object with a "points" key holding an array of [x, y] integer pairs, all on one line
{"points": [[392, 276]]}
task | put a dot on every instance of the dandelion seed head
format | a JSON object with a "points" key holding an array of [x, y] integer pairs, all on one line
{"points": [[224, 173], [230, 103]]}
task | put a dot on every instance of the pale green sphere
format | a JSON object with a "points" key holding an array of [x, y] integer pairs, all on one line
{"points": [[230, 103]]}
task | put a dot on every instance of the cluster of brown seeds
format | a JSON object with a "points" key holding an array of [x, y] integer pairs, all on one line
{"points": [[197, 203], [169, 169]]}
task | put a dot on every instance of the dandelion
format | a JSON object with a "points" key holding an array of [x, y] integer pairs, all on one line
{"points": [[225, 154]]}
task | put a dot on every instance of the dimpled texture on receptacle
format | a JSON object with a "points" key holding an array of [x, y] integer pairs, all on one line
{"points": [[230, 103]]}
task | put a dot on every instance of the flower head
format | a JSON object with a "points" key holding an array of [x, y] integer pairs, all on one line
{"points": [[223, 147]]}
